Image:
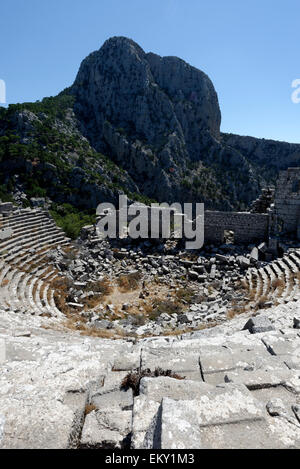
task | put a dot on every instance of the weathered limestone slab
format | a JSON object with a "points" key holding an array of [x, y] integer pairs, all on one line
{"points": [[296, 410], [76, 400], [221, 423], [44, 383], [111, 382], [179, 426], [240, 435], [185, 362], [227, 404], [143, 417], [127, 362], [44, 424], [152, 391], [228, 417], [16, 352], [283, 406], [158, 388], [122, 400], [293, 363], [259, 324], [2, 351], [266, 385], [162, 425], [282, 346], [215, 365], [286, 434], [2, 423], [104, 430], [259, 379]]}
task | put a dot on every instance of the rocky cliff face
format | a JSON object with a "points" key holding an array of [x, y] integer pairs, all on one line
{"points": [[159, 119], [156, 120], [161, 101], [271, 153], [151, 114], [156, 117]]}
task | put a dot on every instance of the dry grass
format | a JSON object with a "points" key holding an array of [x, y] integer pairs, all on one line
{"points": [[185, 294], [89, 408], [261, 304], [233, 312], [159, 307], [45, 315], [101, 288], [92, 302], [70, 252], [278, 283], [34, 290], [139, 320], [129, 282], [252, 294], [61, 288], [133, 379], [244, 284], [4, 283], [103, 334], [76, 323]]}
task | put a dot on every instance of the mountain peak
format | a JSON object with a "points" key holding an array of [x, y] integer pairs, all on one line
{"points": [[121, 41], [162, 103]]}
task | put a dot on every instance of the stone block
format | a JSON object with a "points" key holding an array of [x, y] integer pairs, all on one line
{"points": [[157, 388], [228, 417], [122, 400], [183, 361], [143, 418], [106, 430], [259, 324]]}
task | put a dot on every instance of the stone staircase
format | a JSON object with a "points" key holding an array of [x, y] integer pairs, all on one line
{"points": [[277, 282], [25, 276], [240, 390], [226, 400]]}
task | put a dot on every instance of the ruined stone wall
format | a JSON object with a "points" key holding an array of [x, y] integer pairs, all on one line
{"points": [[287, 200], [247, 227]]}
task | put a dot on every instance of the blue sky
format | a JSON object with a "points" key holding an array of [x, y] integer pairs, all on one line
{"points": [[249, 48]]}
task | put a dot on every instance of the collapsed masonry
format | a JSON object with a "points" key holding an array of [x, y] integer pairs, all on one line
{"points": [[33, 263]]}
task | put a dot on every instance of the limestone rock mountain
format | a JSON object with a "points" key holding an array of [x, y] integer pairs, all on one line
{"points": [[159, 119], [136, 123], [151, 97], [151, 114]]}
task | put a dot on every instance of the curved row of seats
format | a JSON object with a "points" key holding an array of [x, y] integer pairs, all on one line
{"points": [[25, 275], [277, 282]]}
